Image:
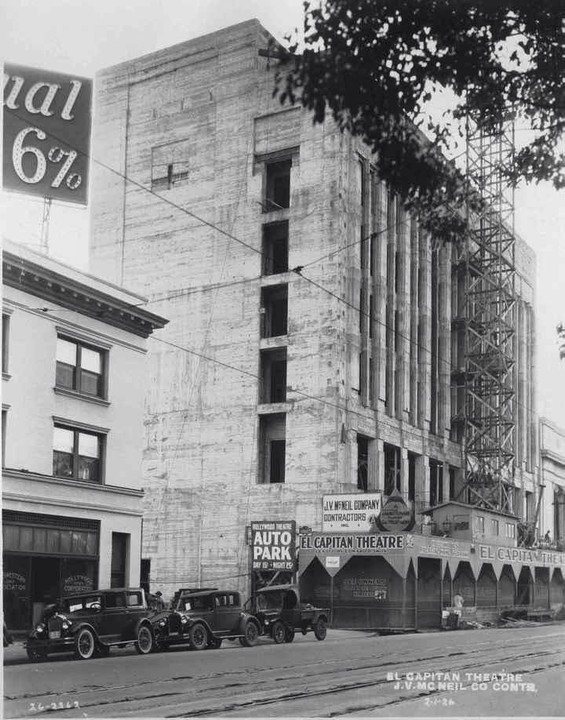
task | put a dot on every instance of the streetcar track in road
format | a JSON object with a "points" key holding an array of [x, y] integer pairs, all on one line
{"points": [[211, 676], [279, 669], [312, 671], [222, 708]]}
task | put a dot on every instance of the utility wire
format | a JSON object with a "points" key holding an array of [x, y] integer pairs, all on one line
{"points": [[298, 269]]}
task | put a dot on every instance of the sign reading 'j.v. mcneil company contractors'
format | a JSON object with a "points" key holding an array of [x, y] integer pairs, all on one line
{"points": [[273, 544], [46, 138], [356, 512]]}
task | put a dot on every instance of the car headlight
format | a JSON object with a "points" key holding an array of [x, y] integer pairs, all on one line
{"points": [[267, 622], [40, 628], [66, 625], [162, 622], [184, 620]]}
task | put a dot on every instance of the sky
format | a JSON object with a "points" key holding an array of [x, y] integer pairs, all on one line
{"points": [[84, 36]]}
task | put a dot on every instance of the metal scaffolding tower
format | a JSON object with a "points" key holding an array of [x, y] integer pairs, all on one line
{"points": [[487, 323]]}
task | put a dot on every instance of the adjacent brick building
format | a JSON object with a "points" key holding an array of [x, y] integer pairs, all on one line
{"points": [[310, 349]]}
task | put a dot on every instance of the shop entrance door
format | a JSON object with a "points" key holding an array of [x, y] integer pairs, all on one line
{"points": [[45, 584]]}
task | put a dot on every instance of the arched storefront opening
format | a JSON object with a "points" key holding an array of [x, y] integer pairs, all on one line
{"points": [[486, 588], [447, 588], [315, 585], [541, 587], [525, 594], [429, 593], [507, 589], [557, 590], [464, 583]]}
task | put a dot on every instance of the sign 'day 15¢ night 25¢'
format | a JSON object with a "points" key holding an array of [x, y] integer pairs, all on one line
{"points": [[46, 139]]}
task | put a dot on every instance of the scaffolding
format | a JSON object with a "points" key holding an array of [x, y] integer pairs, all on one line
{"points": [[486, 263]]}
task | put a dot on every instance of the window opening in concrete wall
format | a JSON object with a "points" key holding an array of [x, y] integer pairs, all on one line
{"points": [[165, 177], [169, 165], [273, 375], [4, 429], [277, 185], [434, 355], [5, 342], [363, 443], [412, 476], [274, 303], [119, 559], [392, 469], [436, 483], [364, 244], [77, 454], [272, 448], [529, 506], [275, 248], [453, 490], [558, 514]]}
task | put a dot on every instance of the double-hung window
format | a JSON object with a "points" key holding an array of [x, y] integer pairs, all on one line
{"points": [[77, 454], [80, 367]]}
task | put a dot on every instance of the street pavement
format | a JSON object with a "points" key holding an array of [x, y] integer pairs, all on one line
{"points": [[514, 672]]}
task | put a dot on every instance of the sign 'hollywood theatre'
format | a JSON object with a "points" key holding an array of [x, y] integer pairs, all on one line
{"points": [[273, 545], [46, 138]]}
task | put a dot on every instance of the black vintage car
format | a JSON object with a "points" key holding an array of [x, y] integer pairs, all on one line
{"points": [[203, 619], [90, 624], [281, 614]]}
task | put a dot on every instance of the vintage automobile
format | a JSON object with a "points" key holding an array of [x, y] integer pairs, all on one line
{"points": [[281, 614], [203, 619], [91, 623]]}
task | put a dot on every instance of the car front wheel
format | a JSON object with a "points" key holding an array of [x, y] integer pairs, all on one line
{"points": [[198, 636], [85, 644], [321, 629], [278, 632], [144, 642], [250, 635]]}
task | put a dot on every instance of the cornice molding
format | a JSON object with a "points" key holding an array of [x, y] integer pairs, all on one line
{"points": [[74, 485], [27, 276], [77, 505]]}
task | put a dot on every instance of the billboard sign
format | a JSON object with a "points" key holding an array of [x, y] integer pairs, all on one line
{"points": [[273, 544], [46, 140], [356, 512]]}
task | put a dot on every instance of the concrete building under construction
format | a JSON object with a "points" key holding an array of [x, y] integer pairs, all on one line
{"points": [[320, 345]]}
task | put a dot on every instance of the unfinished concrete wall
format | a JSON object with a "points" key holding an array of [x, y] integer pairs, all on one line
{"points": [[368, 338]]}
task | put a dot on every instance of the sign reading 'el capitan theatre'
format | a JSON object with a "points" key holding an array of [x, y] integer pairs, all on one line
{"points": [[46, 139], [273, 545]]}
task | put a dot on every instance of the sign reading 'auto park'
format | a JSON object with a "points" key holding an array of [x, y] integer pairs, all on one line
{"points": [[273, 545], [46, 138]]}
